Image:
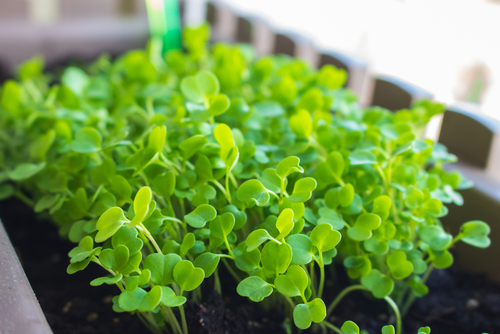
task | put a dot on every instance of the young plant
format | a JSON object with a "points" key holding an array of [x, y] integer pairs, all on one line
{"points": [[163, 171]]}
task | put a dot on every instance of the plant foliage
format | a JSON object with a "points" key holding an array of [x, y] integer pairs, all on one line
{"points": [[162, 170]]}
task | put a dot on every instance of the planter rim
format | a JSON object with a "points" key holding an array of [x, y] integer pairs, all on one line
{"points": [[20, 312]]}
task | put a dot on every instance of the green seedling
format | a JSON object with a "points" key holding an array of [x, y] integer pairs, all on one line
{"points": [[163, 172]]}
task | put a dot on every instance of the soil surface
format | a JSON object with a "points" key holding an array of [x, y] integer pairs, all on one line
{"points": [[457, 302]]}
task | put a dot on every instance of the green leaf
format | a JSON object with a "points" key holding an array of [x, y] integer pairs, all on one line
{"points": [[127, 237], [247, 260], [293, 283], [228, 150], [256, 238], [403, 149], [239, 216], [349, 327], [25, 171], [201, 215], [302, 190], [192, 145], [300, 123], [254, 288], [252, 191], [375, 245], [115, 259], [170, 299], [268, 108], [140, 300], [441, 259], [208, 262], [197, 87], [222, 225], [382, 206], [218, 104], [363, 227], [270, 180], [389, 329], [436, 237], [288, 166], [161, 267], [362, 158], [418, 288], [284, 224], [302, 251], [398, 264], [164, 185], [187, 276], [156, 140], [141, 206], [276, 258], [324, 237], [379, 284], [106, 280], [475, 233], [87, 140], [187, 243], [109, 223], [331, 170], [313, 311], [10, 99], [424, 330]]}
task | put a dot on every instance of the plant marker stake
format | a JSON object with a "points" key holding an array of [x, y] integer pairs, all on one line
{"points": [[164, 23]]}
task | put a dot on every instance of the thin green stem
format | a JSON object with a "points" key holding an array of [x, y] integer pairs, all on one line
{"points": [[227, 189], [175, 324], [282, 189], [341, 295], [150, 237], [217, 286], [221, 188], [395, 308], [25, 199], [183, 319], [322, 275], [331, 326], [411, 298], [231, 270]]}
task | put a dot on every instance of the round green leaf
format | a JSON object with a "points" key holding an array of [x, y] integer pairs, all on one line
{"points": [[161, 267], [302, 190], [284, 224], [362, 158], [139, 299], [288, 166], [324, 237], [201, 215], [257, 238], [304, 314], [218, 104], [302, 251], [254, 288], [349, 327], [208, 262], [187, 276], [475, 233], [379, 284], [398, 264], [109, 223], [293, 283], [25, 171], [87, 140], [252, 191]]}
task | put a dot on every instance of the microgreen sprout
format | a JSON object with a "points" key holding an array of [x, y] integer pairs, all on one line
{"points": [[163, 173]]}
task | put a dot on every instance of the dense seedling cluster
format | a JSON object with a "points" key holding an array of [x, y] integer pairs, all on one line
{"points": [[165, 169]]}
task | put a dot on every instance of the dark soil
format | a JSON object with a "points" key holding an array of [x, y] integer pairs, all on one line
{"points": [[457, 302]]}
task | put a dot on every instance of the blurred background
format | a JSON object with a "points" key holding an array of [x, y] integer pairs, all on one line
{"points": [[450, 48]]}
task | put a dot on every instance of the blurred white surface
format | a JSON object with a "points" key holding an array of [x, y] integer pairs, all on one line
{"points": [[439, 45]]}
